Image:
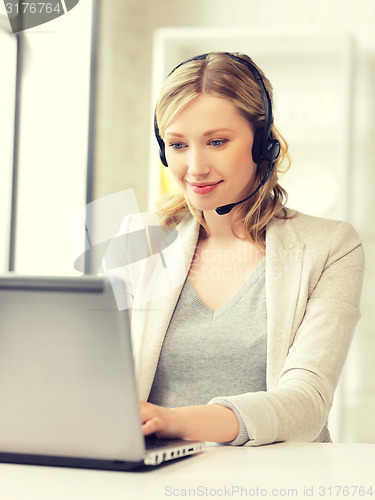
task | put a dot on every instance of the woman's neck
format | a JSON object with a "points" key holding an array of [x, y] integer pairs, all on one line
{"points": [[220, 226]]}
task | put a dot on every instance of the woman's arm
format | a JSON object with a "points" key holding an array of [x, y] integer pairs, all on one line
{"points": [[297, 403], [202, 422]]}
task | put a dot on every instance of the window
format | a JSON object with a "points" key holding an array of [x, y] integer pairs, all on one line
{"points": [[8, 61], [51, 149]]}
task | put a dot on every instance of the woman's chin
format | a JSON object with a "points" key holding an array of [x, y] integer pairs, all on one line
{"points": [[203, 207]]}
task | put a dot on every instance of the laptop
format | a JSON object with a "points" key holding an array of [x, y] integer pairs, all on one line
{"points": [[67, 386]]}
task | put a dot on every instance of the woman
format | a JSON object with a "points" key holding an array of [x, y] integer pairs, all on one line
{"points": [[249, 348]]}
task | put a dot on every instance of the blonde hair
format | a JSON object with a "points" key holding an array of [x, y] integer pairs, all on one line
{"points": [[222, 76]]}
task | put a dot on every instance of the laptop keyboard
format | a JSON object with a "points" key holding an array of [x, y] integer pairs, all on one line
{"points": [[152, 442]]}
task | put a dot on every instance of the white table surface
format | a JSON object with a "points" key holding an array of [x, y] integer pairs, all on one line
{"points": [[296, 470]]}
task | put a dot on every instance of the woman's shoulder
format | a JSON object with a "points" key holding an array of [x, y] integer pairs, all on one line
{"points": [[310, 229], [155, 218], [149, 218], [138, 221]]}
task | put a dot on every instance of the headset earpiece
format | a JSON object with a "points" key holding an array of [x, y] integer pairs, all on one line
{"points": [[162, 152], [257, 147], [272, 150], [161, 144]]}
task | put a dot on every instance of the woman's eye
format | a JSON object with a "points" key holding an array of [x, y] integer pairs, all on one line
{"points": [[218, 142], [177, 145]]}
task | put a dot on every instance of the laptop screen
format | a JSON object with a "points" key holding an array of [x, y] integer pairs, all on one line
{"points": [[66, 370]]}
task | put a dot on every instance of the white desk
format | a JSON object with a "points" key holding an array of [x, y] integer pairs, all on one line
{"points": [[280, 470]]}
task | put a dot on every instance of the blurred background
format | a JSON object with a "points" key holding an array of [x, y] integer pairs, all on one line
{"points": [[77, 96]]}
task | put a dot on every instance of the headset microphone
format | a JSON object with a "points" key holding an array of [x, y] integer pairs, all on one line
{"points": [[225, 209]]}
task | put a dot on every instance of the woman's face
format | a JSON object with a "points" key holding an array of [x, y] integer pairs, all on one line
{"points": [[208, 149]]}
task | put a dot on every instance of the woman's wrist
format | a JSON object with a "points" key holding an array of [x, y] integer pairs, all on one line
{"points": [[214, 423]]}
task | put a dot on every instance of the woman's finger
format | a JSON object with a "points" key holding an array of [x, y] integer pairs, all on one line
{"points": [[152, 426]]}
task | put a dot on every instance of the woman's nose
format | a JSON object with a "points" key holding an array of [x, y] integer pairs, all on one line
{"points": [[197, 163]]}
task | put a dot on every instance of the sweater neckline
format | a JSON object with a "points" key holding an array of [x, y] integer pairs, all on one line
{"points": [[198, 303]]}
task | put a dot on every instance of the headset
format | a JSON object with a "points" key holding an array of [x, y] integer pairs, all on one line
{"points": [[265, 146]]}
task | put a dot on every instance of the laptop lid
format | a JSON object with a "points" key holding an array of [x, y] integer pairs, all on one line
{"points": [[67, 385]]}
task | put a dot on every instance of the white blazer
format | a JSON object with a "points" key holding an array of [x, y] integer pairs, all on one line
{"points": [[314, 270]]}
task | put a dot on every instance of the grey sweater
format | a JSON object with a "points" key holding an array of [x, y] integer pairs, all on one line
{"points": [[204, 350]]}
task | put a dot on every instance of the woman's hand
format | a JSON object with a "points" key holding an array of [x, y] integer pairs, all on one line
{"points": [[159, 420], [202, 423]]}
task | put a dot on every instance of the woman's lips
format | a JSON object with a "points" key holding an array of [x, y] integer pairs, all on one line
{"points": [[203, 188]]}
